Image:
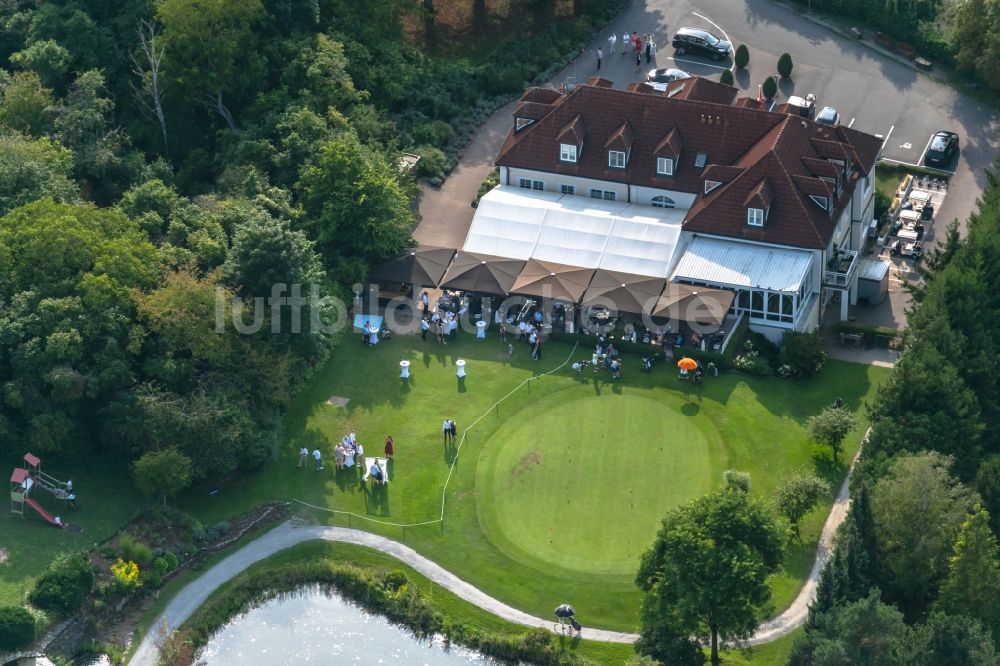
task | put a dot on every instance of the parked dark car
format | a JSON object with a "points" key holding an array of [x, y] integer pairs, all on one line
{"points": [[666, 75], [700, 42], [828, 116], [942, 149]]}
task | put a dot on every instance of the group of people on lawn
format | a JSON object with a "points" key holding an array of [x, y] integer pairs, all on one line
{"points": [[346, 452], [610, 357], [529, 331]]}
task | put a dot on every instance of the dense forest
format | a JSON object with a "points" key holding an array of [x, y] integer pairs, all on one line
{"points": [[915, 576], [158, 159]]}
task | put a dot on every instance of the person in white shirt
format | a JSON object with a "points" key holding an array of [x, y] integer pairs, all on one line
{"points": [[303, 456], [612, 42], [318, 457], [626, 40], [446, 429]]}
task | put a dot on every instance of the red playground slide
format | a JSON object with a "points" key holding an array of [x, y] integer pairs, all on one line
{"points": [[48, 517]]}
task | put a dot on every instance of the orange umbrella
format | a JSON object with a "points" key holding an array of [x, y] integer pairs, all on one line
{"points": [[687, 363]]}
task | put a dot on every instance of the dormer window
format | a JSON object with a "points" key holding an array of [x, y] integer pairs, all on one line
{"points": [[822, 202], [711, 185], [755, 217], [664, 166], [616, 159], [567, 152]]}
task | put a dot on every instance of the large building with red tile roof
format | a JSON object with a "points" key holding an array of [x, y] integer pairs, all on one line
{"points": [[769, 204]]}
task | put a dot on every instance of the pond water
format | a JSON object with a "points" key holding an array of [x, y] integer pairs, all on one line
{"points": [[311, 627]]}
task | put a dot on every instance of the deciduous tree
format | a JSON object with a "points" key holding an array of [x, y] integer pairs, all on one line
{"points": [[211, 49], [706, 572], [918, 508], [165, 472], [147, 66], [830, 427], [356, 210], [33, 168], [25, 103], [798, 495]]}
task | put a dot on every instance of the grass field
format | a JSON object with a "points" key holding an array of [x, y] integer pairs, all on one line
{"points": [[106, 502], [509, 527]]}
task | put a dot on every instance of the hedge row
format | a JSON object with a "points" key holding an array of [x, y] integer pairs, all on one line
{"points": [[874, 335]]}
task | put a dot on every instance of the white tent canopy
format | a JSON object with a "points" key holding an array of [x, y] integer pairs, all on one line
{"points": [[571, 230], [642, 246], [728, 263], [506, 225]]}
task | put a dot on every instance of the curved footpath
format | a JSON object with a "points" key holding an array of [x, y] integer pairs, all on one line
{"points": [[288, 534]]}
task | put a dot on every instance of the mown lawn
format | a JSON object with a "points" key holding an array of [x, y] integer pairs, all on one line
{"points": [[106, 501], [495, 531]]}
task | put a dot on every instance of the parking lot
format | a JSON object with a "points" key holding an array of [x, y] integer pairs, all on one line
{"points": [[872, 92]]}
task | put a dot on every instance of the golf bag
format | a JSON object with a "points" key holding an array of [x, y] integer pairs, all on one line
{"points": [[580, 366], [576, 625], [648, 362]]}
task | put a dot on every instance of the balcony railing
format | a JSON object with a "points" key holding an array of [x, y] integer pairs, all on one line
{"points": [[840, 269]]}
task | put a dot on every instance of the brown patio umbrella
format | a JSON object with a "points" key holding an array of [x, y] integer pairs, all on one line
{"points": [[694, 304], [551, 280], [627, 292], [483, 273], [424, 265]]}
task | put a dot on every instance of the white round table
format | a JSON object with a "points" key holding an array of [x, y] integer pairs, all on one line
{"points": [[480, 329], [460, 364], [404, 372]]}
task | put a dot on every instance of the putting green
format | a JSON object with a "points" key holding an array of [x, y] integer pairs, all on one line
{"points": [[581, 481]]}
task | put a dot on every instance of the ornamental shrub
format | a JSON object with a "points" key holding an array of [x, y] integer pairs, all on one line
{"points": [[126, 576], [785, 65], [64, 585], [770, 87], [801, 355], [742, 56], [17, 627], [726, 78], [433, 162], [133, 550]]}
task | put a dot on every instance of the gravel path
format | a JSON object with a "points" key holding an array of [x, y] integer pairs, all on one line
{"points": [[289, 534]]}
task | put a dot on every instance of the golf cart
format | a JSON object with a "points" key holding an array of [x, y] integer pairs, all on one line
{"points": [[806, 105]]}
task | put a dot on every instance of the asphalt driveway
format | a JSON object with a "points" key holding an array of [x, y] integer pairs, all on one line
{"points": [[872, 92]]}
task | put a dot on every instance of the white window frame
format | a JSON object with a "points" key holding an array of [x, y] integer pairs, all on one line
{"points": [[531, 184], [606, 195], [664, 166], [822, 202], [662, 201], [567, 152], [615, 156], [711, 185], [756, 217], [567, 189]]}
